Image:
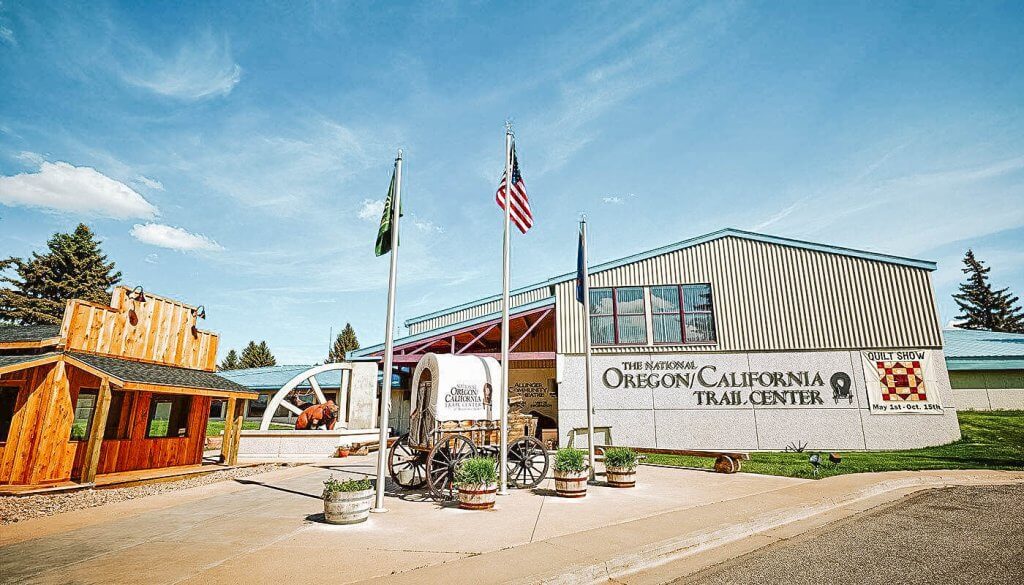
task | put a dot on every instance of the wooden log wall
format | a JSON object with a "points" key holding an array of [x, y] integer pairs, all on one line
{"points": [[157, 331], [138, 452]]}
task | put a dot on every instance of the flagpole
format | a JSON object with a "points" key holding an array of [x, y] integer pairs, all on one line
{"points": [[389, 342], [503, 434], [586, 329]]}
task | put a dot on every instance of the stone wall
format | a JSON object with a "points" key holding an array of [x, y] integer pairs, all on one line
{"points": [[749, 401]]}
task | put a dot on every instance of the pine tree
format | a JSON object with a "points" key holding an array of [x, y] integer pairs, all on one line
{"points": [[984, 308], [256, 356], [345, 343], [230, 361], [72, 268]]}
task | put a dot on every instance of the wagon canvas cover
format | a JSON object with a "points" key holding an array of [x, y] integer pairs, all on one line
{"points": [[458, 388]]}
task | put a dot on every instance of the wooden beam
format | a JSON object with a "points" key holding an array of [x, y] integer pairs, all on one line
{"points": [[36, 344], [477, 338], [229, 421], [317, 390], [517, 356], [528, 330], [236, 436], [91, 461], [162, 389]]}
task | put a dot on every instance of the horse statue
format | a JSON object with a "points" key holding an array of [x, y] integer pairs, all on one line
{"points": [[318, 415]]}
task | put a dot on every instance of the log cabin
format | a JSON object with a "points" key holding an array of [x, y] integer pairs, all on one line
{"points": [[112, 389]]}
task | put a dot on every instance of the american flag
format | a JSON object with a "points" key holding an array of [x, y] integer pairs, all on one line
{"points": [[520, 214]]}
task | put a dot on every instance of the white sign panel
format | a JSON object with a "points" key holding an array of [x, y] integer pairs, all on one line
{"points": [[898, 382]]}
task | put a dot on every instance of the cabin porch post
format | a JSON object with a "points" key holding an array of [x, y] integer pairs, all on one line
{"points": [[91, 462], [229, 431]]}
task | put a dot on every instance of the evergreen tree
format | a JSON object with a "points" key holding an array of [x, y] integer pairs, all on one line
{"points": [[256, 356], [230, 361], [984, 308], [72, 268], [345, 343]]}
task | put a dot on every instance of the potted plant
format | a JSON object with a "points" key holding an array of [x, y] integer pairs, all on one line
{"points": [[571, 472], [620, 466], [477, 481], [347, 501]]}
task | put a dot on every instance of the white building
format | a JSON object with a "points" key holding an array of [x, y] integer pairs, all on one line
{"points": [[731, 340]]}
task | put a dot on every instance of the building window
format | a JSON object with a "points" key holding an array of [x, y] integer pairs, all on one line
{"points": [[8, 401], [682, 314], [617, 316], [168, 416], [256, 408], [84, 408]]}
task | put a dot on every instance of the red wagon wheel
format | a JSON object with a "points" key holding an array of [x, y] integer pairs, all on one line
{"points": [[442, 462], [527, 462], [403, 459]]}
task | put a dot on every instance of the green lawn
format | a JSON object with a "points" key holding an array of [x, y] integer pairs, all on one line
{"points": [[215, 427], [991, 440]]}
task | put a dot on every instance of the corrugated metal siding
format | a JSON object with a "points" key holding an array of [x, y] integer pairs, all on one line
{"points": [[773, 297], [479, 310]]}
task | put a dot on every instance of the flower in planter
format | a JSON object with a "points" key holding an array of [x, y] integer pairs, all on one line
{"points": [[621, 458], [570, 460], [333, 486]]}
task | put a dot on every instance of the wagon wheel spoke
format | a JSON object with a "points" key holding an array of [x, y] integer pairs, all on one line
{"points": [[442, 462], [401, 457]]}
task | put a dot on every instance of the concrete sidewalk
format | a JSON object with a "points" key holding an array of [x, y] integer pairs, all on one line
{"points": [[266, 529]]}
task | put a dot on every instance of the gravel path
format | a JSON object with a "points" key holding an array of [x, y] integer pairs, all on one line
{"points": [[968, 535], [17, 508]]}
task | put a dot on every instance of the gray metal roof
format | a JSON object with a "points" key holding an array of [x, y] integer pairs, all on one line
{"points": [[27, 333], [132, 371]]}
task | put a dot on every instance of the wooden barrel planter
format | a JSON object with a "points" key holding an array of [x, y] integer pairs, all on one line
{"points": [[477, 496], [621, 477], [347, 507], [570, 484]]}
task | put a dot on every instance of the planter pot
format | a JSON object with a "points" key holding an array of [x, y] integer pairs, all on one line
{"points": [[570, 484], [477, 496], [347, 507], [621, 477]]}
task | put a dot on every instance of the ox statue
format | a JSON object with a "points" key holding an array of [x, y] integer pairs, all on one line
{"points": [[325, 415]]}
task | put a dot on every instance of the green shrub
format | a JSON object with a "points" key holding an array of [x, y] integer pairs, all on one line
{"points": [[476, 470], [620, 457], [332, 485], [570, 460]]}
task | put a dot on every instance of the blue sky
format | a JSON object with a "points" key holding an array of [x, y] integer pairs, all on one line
{"points": [[235, 155]]}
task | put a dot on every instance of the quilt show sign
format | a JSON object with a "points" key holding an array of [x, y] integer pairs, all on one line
{"points": [[898, 382]]}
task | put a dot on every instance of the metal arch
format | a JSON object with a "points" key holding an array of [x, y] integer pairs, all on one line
{"points": [[310, 374]]}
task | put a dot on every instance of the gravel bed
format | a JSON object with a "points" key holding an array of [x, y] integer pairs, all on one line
{"points": [[17, 508]]}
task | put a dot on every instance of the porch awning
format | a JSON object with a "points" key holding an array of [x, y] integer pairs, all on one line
{"points": [[133, 375]]}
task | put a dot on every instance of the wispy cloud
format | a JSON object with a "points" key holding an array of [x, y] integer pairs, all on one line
{"points": [[63, 187], [174, 238], [151, 183], [613, 200], [199, 68], [427, 226], [7, 36], [371, 209]]}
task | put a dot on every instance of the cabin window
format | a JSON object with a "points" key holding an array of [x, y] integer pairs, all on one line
{"points": [[118, 416], [8, 400], [84, 408], [617, 316], [682, 314], [168, 416]]}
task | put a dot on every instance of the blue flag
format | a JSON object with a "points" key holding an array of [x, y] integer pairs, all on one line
{"points": [[581, 269]]}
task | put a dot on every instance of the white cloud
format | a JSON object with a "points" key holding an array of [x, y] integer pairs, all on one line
{"points": [[7, 36], [152, 259], [31, 158], [175, 238], [371, 209], [427, 226], [200, 68], [151, 183], [612, 200], [64, 187]]}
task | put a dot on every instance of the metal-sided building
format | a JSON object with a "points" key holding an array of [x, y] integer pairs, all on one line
{"points": [[731, 340]]}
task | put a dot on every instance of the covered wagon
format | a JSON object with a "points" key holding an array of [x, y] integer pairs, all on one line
{"points": [[456, 414]]}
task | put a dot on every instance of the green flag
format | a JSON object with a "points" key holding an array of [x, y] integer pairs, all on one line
{"points": [[384, 232]]}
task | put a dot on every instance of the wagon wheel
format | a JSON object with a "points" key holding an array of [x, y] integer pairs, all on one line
{"points": [[527, 462], [402, 457], [442, 462]]}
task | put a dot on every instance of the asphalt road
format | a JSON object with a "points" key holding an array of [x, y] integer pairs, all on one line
{"points": [[969, 535]]}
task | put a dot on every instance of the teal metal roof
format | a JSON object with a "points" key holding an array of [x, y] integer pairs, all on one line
{"points": [[274, 377], [967, 349], [724, 233], [365, 351]]}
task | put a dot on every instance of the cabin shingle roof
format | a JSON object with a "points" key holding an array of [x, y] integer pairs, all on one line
{"points": [[144, 373]]}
